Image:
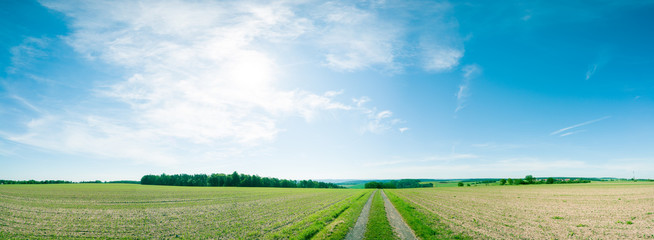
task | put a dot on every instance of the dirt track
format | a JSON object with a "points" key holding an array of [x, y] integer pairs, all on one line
{"points": [[359, 229], [401, 229]]}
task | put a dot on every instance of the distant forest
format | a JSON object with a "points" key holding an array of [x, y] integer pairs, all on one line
{"points": [[33, 182], [230, 180], [404, 183], [61, 181]]}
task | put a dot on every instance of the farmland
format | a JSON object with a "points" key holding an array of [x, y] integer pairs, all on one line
{"points": [[598, 210], [137, 211], [608, 210]]}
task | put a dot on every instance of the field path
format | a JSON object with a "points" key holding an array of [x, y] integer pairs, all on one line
{"points": [[359, 229], [401, 229]]}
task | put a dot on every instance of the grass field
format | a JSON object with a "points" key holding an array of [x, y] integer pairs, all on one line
{"points": [[596, 210], [137, 211]]}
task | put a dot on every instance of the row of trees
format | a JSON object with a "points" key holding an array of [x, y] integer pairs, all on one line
{"points": [[230, 180], [404, 183], [34, 182], [529, 179]]}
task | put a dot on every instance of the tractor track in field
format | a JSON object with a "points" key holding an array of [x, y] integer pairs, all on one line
{"points": [[359, 229], [401, 229]]}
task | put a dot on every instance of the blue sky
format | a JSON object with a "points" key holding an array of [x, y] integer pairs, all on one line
{"points": [[313, 89]]}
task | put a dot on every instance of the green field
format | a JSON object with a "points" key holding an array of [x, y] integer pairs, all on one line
{"points": [[605, 210], [137, 211]]}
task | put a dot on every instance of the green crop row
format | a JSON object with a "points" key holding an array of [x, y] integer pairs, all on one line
{"points": [[426, 225], [340, 226], [315, 225], [378, 226]]}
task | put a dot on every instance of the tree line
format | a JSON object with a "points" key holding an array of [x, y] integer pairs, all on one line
{"points": [[33, 182], [62, 181], [404, 183], [529, 179], [230, 180]]}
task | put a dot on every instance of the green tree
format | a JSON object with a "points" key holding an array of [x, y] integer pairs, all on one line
{"points": [[373, 185], [510, 181], [256, 181], [390, 184], [550, 180], [529, 179], [460, 184], [502, 181], [236, 179]]}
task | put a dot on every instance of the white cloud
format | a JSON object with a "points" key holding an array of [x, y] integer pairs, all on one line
{"points": [[356, 38], [440, 58], [563, 131], [469, 72], [360, 101], [384, 114], [206, 75], [369, 35], [591, 71], [333, 93], [602, 59], [29, 50], [571, 133], [196, 80], [196, 75], [440, 46], [26, 103], [379, 122]]}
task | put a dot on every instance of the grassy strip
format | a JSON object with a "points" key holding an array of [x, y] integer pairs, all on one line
{"points": [[426, 225], [312, 225], [378, 226], [340, 226]]}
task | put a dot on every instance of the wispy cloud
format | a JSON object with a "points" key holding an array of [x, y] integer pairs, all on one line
{"points": [[469, 72], [591, 71], [602, 59], [26, 103], [368, 35], [571, 133], [440, 58], [357, 38], [564, 131], [360, 101], [29, 50], [380, 121]]}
